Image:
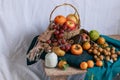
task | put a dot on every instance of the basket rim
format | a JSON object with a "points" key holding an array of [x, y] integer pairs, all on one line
{"points": [[65, 4]]}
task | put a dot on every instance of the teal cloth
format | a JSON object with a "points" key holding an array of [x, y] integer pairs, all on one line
{"points": [[109, 70]]}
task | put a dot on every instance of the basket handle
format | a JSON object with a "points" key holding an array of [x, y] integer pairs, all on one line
{"points": [[66, 4]]}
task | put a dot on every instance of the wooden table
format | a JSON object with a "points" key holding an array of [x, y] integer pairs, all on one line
{"points": [[57, 74]]}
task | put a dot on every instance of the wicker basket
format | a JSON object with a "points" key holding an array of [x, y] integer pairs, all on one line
{"points": [[41, 44], [67, 34]]}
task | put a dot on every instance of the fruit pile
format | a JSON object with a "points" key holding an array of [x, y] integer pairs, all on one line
{"points": [[100, 49], [61, 25], [91, 41], [64, 35]]}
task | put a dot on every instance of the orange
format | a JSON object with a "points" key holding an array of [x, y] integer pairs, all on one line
{"points": [[99, 63], [83, 65], [86, 45], [76, 49], [90, 63], [100, 40], [60, 20]]}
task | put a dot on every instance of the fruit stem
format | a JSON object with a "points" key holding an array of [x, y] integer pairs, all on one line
{"points": [[77, 47]]}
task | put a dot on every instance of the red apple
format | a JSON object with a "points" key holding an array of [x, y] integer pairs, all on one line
{"points": [[70, 24], [73, 18], [85, 37]]}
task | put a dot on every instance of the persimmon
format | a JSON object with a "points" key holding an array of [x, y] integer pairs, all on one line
{"points": [[60, 19], [83, 65], [86, 45], [99, 63], [76, 49], [90, 63]]}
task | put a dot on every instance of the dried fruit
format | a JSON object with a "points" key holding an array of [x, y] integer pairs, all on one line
{"points": [[114, 59], [113, 48], [112, 51], [105, 45], [97, 59], [98, 53], [106, 53], [90, 51], [108, 49], [113, 55], [95, 51], [107, 58], [95, 45], [118, 52], [100, 49], [109, 53], [95, 56], [101, 57]]}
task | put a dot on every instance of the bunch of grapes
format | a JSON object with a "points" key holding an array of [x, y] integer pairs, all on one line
{"points": [[58, 39]]}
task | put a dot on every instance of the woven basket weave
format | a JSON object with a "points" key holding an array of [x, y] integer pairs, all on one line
{"points": [[67, 35]]}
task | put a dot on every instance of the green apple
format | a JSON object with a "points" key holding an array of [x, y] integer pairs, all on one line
{"points": [[94, 35]]}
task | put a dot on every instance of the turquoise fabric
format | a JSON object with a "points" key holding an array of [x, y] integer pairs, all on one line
{"points": [[109, 69]]}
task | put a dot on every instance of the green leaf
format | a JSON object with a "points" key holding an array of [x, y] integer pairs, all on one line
{"points": [[65, 66]]}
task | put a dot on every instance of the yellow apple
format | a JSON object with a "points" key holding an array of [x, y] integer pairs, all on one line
{"points": [[73, 17]]}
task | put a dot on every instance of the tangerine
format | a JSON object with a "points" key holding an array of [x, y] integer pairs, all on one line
{"points": [[90, 63], [83, 65], [99, 63], [100, 40], [86, 45]]}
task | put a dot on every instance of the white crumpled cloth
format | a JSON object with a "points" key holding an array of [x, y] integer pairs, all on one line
{"points": [[20, 21]]}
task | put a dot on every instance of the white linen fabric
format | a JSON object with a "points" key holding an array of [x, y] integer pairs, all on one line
{"points": [[22, 20]]}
